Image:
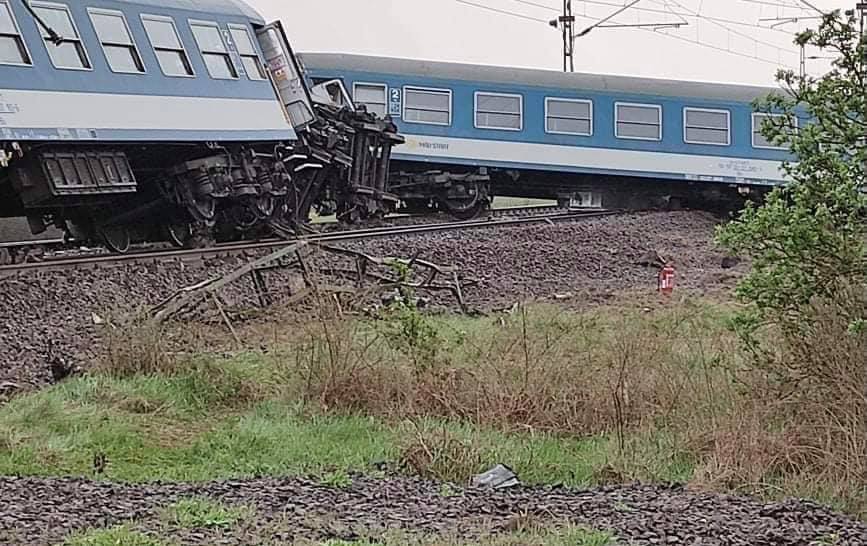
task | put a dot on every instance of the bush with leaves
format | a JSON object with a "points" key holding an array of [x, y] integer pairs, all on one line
{"points": [[807, 240], [806, 294]]}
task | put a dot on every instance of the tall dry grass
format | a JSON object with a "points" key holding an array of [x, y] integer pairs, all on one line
{"points": [[793, 421], [539, 368]]}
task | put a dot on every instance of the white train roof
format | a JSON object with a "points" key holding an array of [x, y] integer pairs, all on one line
{"points": [[222, 7], [536, 77]]}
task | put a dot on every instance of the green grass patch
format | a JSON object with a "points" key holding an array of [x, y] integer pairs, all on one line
{"points": [[198, 513], [58, 432], [115, 536]]}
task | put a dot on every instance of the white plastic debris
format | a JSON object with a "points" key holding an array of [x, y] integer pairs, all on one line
{"points": [[499, 477]]}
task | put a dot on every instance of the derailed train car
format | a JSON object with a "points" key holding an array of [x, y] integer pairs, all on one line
{"points": [[140, 119], [587, 139]]}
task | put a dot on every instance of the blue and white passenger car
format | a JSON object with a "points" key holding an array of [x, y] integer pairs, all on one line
{"points": [[556, 133], [107, 104]]}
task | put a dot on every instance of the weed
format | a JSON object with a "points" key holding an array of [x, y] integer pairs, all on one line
{"points": [[112, 537], [437, 453], [198, 513], [336, 479], [448, 490]]}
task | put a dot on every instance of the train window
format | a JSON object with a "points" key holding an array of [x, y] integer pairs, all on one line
{"points": [[372, 96], [70, 52], [759, 140], [569, 116], [117, 42], [638, 121], [703, 126], [167, 45], [425, 105], [12, 47], [249, 58], [499, 111], [214, 50]]}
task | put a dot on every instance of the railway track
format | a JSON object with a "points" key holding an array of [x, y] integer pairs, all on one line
{"points": [[232, 249]]}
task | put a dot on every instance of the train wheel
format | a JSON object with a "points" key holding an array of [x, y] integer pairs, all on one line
{"points": [[178, 234], [203, 208], [116, 238], [264, 206], [468, 206]]}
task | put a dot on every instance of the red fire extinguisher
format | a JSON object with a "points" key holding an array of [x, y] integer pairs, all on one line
{"points": [[665, 282]]}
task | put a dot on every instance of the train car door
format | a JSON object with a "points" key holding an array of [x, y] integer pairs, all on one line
{"points": [[286, 74]]}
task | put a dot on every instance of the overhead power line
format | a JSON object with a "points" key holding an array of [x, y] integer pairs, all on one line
{"points": [[502, 11], [660, 11], [682, 12]]}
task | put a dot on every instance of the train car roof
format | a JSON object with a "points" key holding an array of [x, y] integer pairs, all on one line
{"points": [[536, 77], [237, 8]]}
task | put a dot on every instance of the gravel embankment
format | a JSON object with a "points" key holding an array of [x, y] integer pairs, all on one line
{"points": [[43, 511], [587, 262]]}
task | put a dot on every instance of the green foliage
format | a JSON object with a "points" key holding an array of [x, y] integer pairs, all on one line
{"points": [[807, 239], [112, 537], [407, 329], [336, 479], [200, 513]]}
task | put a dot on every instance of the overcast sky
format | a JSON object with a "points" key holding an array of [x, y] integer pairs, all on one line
{"points": [[450, 30]]}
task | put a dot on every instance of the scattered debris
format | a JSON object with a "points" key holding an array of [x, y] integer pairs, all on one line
{"points": [[651, 258], [499, 477], [729, 262], [59, 366]]}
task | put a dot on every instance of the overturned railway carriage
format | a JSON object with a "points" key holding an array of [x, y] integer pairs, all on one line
{"points": [[582, 138], [124, 119]]}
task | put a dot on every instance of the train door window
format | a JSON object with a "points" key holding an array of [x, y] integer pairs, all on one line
{"points": [[12, 47], [214, 50], [568, 116], [117, 42], [499, 111], [70, 52], [167, 45], [249, 58], [426, 105], [638, 121], [372, 96], [759, 139], [703, 126]]}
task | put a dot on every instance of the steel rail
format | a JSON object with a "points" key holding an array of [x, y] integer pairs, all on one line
{"points": [[239, 248]]}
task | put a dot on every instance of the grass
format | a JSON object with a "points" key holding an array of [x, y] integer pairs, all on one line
{"points": [[60, 429], [561, 397], [115, 536], [570, 536], [198, 513]]}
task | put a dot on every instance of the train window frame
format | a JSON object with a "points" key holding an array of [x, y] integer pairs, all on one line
{"points": [[432, 90], [384, 87], [753, 131], [262, 72], [588, 102], [520, 114], [618, 121], [192, 23], [22, 43], [728, 128], [132, 46], [155, 48], [83, 54]]}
